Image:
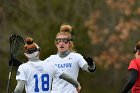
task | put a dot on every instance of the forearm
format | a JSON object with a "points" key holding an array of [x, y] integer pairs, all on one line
{"points": [[20, 86], [127, 87], [69, 79], [131, 81]]}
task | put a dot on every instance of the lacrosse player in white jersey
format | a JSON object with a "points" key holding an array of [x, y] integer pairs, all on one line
{"points": [[37, 75], [68, 60]]}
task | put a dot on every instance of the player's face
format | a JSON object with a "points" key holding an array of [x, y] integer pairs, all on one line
{"points": [[62, 43], [137, 54]]}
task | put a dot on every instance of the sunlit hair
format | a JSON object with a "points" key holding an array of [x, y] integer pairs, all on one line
{"points": [[66, 30], [137, 45], [30, 44]]}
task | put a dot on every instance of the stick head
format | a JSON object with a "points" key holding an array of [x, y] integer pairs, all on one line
{"points": [[16, 41]]}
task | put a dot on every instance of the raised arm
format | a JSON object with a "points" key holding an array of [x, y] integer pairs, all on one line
{"points": [[90, 66]]}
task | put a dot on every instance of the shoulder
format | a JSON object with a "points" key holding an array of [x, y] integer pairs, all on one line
{"points": [[136, 60], [51, 57], [23, 67], [75, 54], [135, 63]]}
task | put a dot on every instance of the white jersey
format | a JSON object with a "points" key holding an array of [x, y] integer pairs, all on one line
{"points": [[38, 76], [69, 64]]}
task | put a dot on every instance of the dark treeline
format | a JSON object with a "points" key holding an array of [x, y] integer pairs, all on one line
{"points": [[104, 29]]}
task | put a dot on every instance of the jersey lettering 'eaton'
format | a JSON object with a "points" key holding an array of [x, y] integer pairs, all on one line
{"points": [[65, 65]]}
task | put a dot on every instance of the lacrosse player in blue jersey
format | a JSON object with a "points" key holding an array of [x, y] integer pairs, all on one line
{"points": [[68, 60], [37, 75]]}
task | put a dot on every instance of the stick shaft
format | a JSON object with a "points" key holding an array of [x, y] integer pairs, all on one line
{"points": [[9, 78]]}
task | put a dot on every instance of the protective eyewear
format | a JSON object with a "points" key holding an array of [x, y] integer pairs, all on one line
{"points": [[32, 50], [64, 40], [135, 50]]}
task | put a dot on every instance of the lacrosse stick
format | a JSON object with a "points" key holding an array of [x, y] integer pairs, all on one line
{"points": [[16, 42]]}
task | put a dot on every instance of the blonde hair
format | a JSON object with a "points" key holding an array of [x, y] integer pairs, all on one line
{"points": [[66, 29]]}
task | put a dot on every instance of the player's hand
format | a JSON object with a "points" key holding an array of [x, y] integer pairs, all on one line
{"points": [[78, 89], [15, 62], [90, 61]]}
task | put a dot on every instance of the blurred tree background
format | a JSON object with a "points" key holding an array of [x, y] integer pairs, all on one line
{"points": [[104, 29]]}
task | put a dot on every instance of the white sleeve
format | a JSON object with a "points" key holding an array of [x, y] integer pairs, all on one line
{"points": [[21, 74], [20, 86], [81, 61], [49, 58], [57, 72]]}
